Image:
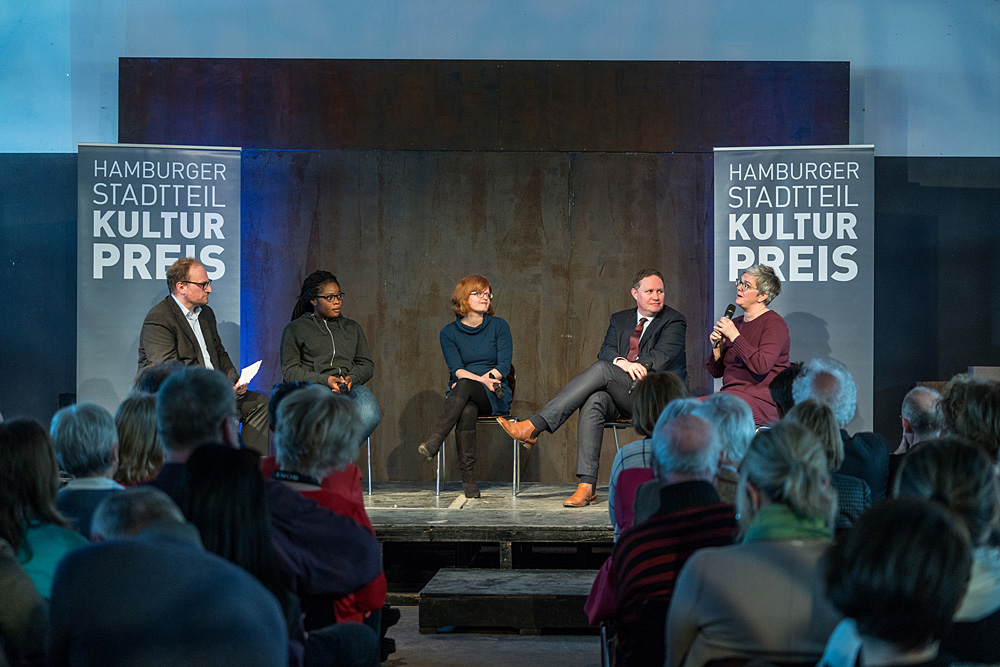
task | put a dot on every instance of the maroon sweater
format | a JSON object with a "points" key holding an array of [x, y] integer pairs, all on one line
{"points": [[749, 363]]}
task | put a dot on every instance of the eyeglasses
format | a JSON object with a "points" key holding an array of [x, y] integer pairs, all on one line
{"points": [[203, 285], [744, 284], [330, 298], [485, 295]]}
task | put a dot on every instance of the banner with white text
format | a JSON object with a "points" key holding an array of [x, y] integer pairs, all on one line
{"points": [[807, 212], [141, 208]]}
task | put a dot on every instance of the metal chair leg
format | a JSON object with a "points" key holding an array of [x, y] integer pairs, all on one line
{"points": [[614, 429], [369, 465], [440, 475]]}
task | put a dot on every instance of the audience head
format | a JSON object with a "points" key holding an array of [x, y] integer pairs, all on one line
{"points": [[818, 418], [686, 446], [86, 440], [781, 388], [900, 572], [786, 465], [222, 493], [676, 408], [150, 379], [829, 382], [920, 415], [127, 513], [970, 409], [733, 421], [464, 289], [196, 406], [317, 432], [957, 475], [29, 479], [652, 394], [767, 281], [306, 302], [280, 392], [140, 456]]}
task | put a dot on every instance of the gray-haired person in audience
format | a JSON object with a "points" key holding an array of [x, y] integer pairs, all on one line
{"points": [[725, 603], [169, 601], [866, 454], [195, 406], [652, 395], [87, 446]]}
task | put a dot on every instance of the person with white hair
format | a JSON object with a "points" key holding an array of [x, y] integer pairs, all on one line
{"points": [[87, 446], [691, 516], [762, 598], [866, 454]]}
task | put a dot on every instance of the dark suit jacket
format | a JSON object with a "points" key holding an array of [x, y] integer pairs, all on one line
{"points": [[661, 345], [166, 334], [866, 456]]}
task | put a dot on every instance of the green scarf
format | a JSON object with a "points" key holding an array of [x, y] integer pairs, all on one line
{"points": [[779, 522]]}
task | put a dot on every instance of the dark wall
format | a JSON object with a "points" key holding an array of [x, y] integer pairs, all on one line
{"points": [[37, 283], [937, 250]]}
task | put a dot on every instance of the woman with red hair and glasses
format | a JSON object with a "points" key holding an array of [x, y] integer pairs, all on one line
{"points": [[478, 350]]}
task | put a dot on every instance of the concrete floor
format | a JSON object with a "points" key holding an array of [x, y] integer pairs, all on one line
{"points": [[464, 649]]}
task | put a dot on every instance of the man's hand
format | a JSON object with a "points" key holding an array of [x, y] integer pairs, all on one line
{"points": [[240, 389], [635, 370]]}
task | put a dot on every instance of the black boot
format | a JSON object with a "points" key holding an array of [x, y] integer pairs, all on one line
{"points": [[451, 410], [466, 442]]}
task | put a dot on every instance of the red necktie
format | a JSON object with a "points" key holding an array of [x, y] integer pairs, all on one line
{"points": [[633, 341]]}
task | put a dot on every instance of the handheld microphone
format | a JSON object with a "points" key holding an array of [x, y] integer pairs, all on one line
{"points": [[730, 311], [497, 390], [649, 366]]}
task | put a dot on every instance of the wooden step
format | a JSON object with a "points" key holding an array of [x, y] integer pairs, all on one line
{"points": [[528, 601]]}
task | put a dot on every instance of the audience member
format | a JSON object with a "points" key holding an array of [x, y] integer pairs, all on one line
{"points": [[87, 445], [970, 409], [29, 520], [652, 394], [961, 477], [781, 388], [899, 573], [853, 494], [344, 481], [921, 420], [647, 497], [649, 555], [149, 379], [140, 455], [733, 421], [151, 595], [725, 603], [195, 406], [23, 614], [317, 431], [866, 454]]}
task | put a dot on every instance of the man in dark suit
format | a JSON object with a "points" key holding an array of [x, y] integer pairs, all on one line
{"points": [[647, 338], [183, 327]]}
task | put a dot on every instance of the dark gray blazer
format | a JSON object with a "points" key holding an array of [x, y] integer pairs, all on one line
{"points": [[661, 345], [166, 334]]}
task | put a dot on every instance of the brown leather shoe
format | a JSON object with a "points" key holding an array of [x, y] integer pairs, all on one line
{"points": [[524, 432], [585, 494]]}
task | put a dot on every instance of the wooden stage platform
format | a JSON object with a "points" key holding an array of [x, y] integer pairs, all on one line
{"points": [[410, 512]]}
